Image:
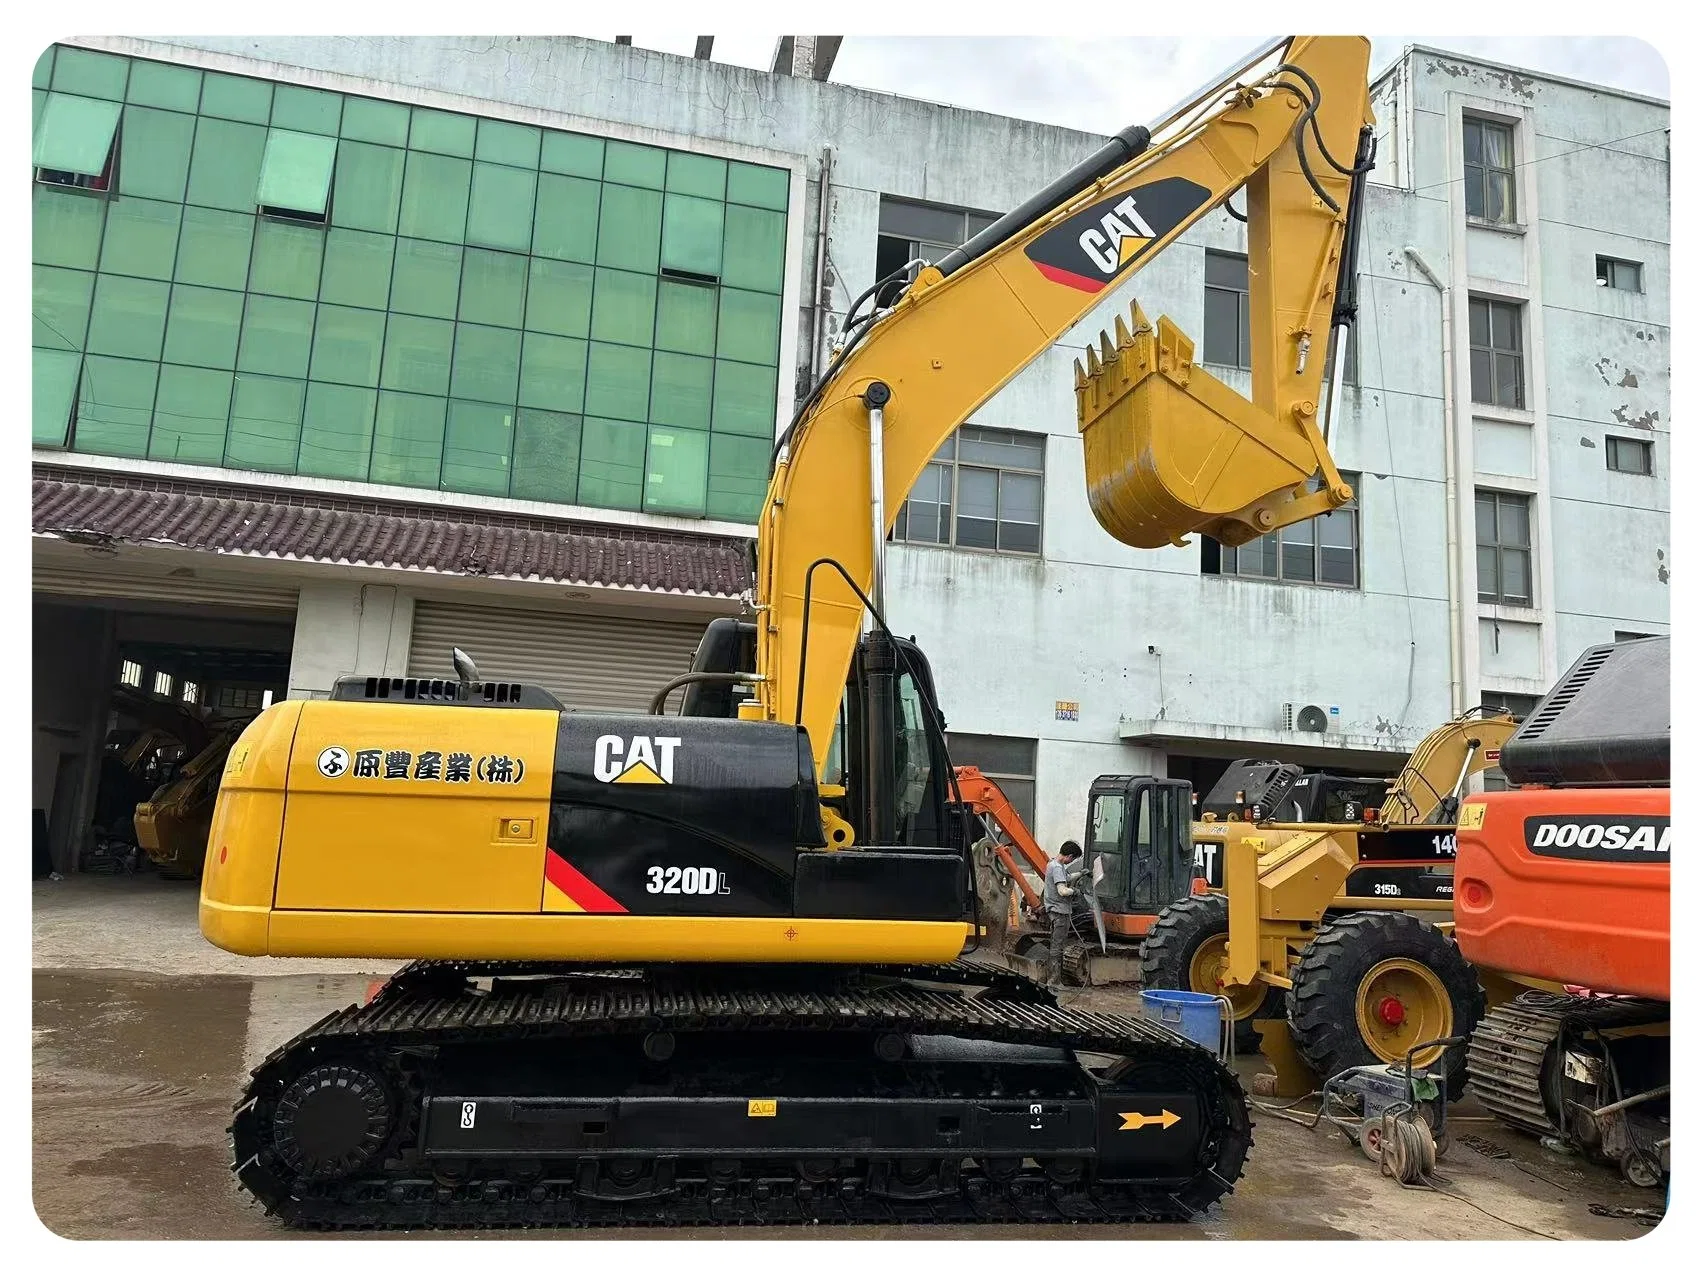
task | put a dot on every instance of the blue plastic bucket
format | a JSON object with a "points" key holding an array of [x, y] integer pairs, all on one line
{"points": [[1197, 1016]]}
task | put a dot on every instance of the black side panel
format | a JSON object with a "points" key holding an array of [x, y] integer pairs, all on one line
{"points": [[727, 646], [1608, 721], [1262, 784], [900, 885]]}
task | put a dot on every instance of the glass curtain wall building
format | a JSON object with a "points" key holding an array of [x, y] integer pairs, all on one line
{"points": [[261, 276]]}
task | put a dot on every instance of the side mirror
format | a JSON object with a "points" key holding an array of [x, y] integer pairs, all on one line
{"points": [[465, 669]]}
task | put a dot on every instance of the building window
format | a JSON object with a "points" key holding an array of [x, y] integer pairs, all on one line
{"points": [[909, 231], [1228, 332], [130, 673], [1319, 551], [1626, 635], [162, 684], [74, 141], [1498, 360], [1008, 761], [982, 490], [191, 693], [1504, 548], [1630, 456], [1611, 272], [241, 698], [1489, 170]]}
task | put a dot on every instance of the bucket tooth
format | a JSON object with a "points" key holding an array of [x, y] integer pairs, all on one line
{"points": [[1081, 376], [1107, 349], [1092, 363], [1142, 323], [1124, 340]]}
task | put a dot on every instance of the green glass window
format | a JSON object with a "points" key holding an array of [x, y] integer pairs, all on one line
{"points": [[55, 386], [203, 326], [623, 308], [738, 477], [348, 345], [428, 278], [493, 288], [629, 229], [476, 448], [277, 337], [676, 471], [76, 134], [306, 110], [59, 307], [171, 88], [295, 173], [442, 132], [128, 317], [749, 327], [487, 364], [367, 119], [369, 187], [214, 248], [558, 299], [634, 165], [679, 390], [546, 456], [573, 153], [552, 373], [235, 97], [114, 405], [685, 317], [744, 399], [690, 174], [617, 382], [224, 169], [141, 238], [38, 104], [357, 269], [755, 252], [89, 73], [416, 355], [499, 214], [407, 441], [758, 185], [566, 221], [66, 228], [691, 235], [336, 431], [43, 75], [503, 143], [434, 196], [611, 464], [156, 153], [287, 258], [190, 416], [265, 424]]}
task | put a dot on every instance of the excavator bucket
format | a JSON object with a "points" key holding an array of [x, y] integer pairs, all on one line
{"points": [[1171, 450]]}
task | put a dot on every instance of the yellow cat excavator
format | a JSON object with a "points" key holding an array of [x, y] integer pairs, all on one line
{"points": [[717, 966]]}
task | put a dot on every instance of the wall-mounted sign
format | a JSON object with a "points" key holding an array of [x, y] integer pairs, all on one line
{"points": [[1068, 710]]}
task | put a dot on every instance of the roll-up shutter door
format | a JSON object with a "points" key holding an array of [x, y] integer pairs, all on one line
{"points": [[158, 587], [591, 662]]}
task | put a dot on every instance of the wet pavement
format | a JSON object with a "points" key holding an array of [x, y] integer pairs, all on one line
{"points": [[135, 1071]]}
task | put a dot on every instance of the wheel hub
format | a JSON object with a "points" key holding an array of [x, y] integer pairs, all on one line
{"points": [[1402, 1002], [1391, 1012], [331, 1120]]}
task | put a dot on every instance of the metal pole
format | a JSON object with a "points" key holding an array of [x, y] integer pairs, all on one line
{"points": [[875, 399]]}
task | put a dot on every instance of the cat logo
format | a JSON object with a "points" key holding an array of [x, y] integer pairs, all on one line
{"points": [[643, 759], [1091, 248]]}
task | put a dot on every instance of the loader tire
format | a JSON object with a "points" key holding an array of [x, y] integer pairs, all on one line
{"points": [[1372, 985], [1185, 948]]}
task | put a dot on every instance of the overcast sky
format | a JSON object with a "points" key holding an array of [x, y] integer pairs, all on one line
{"points": [[1102, 84]]}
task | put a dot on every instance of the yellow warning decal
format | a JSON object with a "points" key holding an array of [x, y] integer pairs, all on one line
{"points": [[1139, 1121], [1471, 815], [762, 1107]]}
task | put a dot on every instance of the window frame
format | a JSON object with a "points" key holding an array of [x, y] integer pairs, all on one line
{"points": [[1498, 596], [1020, 788], [1244, 315], [1482, 170], [1491, 351], [1613, 446], [1609, 269], [970, 222], [955, 465], [1228, 554]]}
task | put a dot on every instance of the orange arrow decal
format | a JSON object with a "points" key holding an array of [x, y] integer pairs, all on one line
{"points": [[1138, 1120]]}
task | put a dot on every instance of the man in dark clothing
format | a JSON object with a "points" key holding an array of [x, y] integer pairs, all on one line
{"points": [[1058, 899]]}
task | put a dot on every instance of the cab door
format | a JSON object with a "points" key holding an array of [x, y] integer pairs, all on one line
{"points": [[1161, 850]]}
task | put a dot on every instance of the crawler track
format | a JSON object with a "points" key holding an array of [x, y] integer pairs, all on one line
{"points": [[402, 1049]]}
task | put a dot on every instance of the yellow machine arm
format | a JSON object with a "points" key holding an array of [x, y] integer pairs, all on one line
{"points": [[1430, 785], [1169, 449]]}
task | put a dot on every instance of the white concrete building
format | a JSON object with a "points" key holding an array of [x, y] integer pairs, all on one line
{"points": [[1507, 423]]}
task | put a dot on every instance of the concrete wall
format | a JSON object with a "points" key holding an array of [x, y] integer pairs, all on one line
{"points": [[346, 627]]}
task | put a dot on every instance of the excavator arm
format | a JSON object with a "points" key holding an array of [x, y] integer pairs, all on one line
{"points": [[1429, 788], [1169, 449], [988, 800]]}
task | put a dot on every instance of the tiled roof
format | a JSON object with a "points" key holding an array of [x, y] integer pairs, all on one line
{"points": [[313, 527]]}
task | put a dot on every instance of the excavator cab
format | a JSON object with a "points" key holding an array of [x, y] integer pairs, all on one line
{"points": [[1139, 845]]}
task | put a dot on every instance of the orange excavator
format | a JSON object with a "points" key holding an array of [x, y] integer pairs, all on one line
{"points": [[1139, 853], [1567, 879]]}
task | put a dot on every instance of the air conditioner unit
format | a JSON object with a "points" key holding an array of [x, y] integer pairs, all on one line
{"points": [[1305, 717]]}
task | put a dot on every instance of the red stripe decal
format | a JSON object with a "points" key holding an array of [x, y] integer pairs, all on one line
{"points": [[1069, 278], [576, 886]]}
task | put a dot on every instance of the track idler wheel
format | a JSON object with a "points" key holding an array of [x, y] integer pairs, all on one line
{"points": [[1187, 949], [332, 1120]]}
